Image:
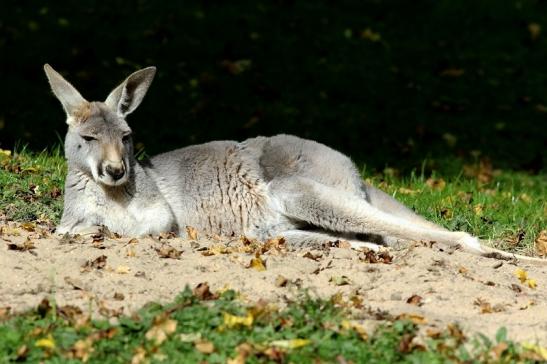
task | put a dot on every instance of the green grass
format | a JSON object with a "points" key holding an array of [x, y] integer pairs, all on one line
{"points": [[306, 331], [506, 207]]}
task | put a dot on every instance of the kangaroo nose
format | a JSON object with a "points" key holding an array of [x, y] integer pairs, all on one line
{"points": [[115, 172]]}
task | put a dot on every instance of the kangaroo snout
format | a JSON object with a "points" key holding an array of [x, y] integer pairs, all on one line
{"points": [[115, 170]]}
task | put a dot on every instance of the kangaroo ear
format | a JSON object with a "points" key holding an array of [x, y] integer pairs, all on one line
{"points": [[125, 98], [70, 98]]}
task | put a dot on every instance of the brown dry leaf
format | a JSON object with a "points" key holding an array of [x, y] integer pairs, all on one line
{"points": [[456, 332], [257, 264], [497, 351], [163, 327], [236, 67], [436, 184], [97, 263], [27, 245], [140, 356], [281, 281], [415, 300], [414, 318], [541, 243], [485, 306], [192, 233], [4, 312], [202, 292], [216, 249], [370, 256], [82, 349], [452, 72], [167, 251], [204, 346], [28, 226], [277, 244], [243, 352], [482, 171], [515, 239], [118, 296], [535, 30]]}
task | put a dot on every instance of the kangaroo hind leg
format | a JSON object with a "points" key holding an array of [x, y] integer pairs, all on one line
{"points": [[335, 210]]}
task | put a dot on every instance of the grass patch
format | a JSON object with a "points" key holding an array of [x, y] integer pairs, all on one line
{"points": [[223, 329]]}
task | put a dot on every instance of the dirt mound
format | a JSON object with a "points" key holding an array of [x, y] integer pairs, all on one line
{"points": [[107, 275]]}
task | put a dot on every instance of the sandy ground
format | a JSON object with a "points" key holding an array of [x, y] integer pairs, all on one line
{"points": [[108, 276]]}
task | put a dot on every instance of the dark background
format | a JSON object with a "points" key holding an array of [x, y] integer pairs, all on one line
{"points": [[388, 82]]}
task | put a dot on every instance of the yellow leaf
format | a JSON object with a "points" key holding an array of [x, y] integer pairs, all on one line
{"points": [[478, 209], [122, 269], [5, 153], [359, 329], [541, 351], [290, 344], [47, 342], [521, 274], [231, 321], [531, 283], [257, 264], [535, 30], [370, 35]]}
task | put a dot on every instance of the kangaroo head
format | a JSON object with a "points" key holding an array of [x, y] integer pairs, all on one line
{"points": [[98, 142]]}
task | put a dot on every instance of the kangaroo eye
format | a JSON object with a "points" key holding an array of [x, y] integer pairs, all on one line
{"points": [[126, 138], [88, 138]]}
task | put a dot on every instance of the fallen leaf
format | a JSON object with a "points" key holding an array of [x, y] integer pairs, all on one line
{"points": [[231, 321], [47, 342], [407, 191], [140, 356], [27, 245], [28, 226], [281, 281], [97, 263], [541, 351], [414, 300], [161, 329], [257, 264], [123, 269], [190, 337], [368, 34], [521, 274], [192, 233], [452, 72], [244, 350], [436, 183], [541, 243], [499, 349], [236, 67], [412, 317], [204, 346], [202, 292], [290, 344], [167, 251], [118, 296], [535, 30], [82, 349]]}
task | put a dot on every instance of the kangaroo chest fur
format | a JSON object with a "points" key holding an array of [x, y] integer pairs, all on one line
{"points": [[218, 188]]}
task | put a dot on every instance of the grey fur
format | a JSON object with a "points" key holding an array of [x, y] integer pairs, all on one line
{"points": [[262, 187]]}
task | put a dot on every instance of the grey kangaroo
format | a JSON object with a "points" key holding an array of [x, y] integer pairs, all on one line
{"points": [[262, 187]]}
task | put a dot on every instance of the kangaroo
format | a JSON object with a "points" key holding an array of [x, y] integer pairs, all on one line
{"points": [[262, 187]]}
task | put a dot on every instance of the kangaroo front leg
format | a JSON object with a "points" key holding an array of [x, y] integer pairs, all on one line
{"points": [[335, 210]]}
